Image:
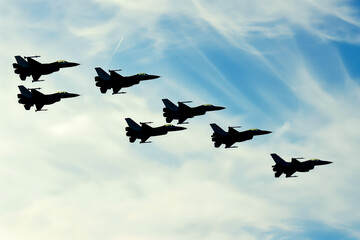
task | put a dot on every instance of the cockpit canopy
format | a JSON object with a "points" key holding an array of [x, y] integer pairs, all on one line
{"points": [[141, 74]]}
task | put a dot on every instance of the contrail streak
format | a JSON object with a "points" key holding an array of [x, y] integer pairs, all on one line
{"points": [[118, 45]]}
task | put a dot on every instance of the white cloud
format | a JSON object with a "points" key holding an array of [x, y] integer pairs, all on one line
{"points": [[71, 173]]}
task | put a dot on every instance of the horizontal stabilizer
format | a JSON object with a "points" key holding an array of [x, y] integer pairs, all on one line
{"points": [[39, 107], [102, 74]]}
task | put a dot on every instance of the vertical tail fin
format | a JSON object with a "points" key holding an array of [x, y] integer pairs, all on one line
{"points": [[102, 74], [21, 62], [217, 129], [24, 91], [132, 124], [277, 159], [168, 104]]}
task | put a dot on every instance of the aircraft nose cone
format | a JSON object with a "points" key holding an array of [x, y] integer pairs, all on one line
{"points": [[262, 132], [154, 76], [67, 64], [324, 162], [219, 108], [69, 95], [213, 108], [72, 64], [176, 128]]}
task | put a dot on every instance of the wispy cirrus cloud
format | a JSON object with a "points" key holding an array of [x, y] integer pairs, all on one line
{"points": [[79, 177]]}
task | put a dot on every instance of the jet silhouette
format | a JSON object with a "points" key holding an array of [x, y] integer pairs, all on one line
{"points": [[31, 97], [183, 111], [135, 131], [35, 69], [232, 136], [289, 168], [116, 82]]}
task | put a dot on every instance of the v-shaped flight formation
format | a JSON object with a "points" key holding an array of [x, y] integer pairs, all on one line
{"points": [[29, 97]]}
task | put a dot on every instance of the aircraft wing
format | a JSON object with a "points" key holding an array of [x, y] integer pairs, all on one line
{"points": [[36, 94], [184, 107], [33, 63], [307, 165], [233, 131], [114, 75]]}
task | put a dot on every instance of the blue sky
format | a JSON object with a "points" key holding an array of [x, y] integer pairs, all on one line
{"points": [[290, 67]]}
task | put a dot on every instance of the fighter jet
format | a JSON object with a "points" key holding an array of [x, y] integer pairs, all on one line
{"points": [[289, 168], [183, 111], [35, 69], [232, 136], [115, 81], [135, 131], [31, 97]]}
